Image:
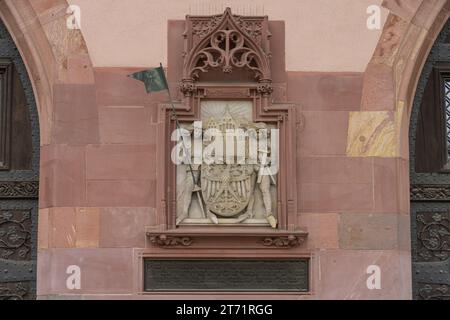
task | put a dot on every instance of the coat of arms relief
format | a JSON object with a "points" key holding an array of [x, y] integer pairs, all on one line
{"points": [[236, 190]]}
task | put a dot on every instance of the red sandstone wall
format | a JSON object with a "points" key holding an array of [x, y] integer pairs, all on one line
{"points": [[98, 159]]}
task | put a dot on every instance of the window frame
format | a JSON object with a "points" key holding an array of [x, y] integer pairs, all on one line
{"points": [[6, 88]]}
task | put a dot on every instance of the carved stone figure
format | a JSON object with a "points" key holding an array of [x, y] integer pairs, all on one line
{"points": [[189, 187], [264, 179]]}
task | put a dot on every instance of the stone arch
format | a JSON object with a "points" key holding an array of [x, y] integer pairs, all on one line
{"points": [[390, 85], [392, 75], [45, 44], [53, 55], [428, 179]]}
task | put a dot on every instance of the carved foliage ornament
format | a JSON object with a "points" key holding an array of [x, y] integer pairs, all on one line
{"points": [[435, 292], [284, 242], [19, 189], [15, 235], [430, 192], [433, 236], [226, 42], [14, 291], [170, 241]]}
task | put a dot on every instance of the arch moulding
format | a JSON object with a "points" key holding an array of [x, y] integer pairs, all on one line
{"points": [[45, 43]]}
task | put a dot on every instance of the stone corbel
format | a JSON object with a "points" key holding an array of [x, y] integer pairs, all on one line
{"points": [[188, 88]]}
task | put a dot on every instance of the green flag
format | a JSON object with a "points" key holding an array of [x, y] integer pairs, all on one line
{"points": [[154, 79]]}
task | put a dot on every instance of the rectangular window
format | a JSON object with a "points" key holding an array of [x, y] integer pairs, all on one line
{"points": [[432, 149], [5, 112]]}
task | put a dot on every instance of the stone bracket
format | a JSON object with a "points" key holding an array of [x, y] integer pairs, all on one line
{"points": [[233, 238]]}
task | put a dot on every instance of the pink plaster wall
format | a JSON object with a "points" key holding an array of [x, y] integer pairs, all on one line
{"points": [[321, 35]]}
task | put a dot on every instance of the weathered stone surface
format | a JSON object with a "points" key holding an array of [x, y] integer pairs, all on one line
{"points": [[391, 185], [104, 271], [79, 70], [378, 91], [404, 8], [43, 229], [323, 229], [125, 227], [342, 274], [76, 115], [120, 162], [336, 170], [323, 133], [336, 197], [390, 41], [368, 231], [317, 91], [372, 134], [63, 176], [87, 227], [428, 10], [127, 125], [121, 193], [63, 228], [73, 228], [114, 88]]}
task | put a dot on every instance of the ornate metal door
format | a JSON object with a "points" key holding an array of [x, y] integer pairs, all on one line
{"points": [[430, 175], [19, 173]]}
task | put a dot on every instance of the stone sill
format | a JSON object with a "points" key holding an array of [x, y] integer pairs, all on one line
{"points": [[226, 238]]}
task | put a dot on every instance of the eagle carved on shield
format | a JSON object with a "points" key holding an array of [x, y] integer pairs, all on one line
{"points": [[226, 188]]}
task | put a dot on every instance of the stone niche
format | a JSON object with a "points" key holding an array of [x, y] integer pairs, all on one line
{"points": [[221, 67]]}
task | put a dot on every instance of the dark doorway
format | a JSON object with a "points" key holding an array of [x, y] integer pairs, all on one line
{"points": [[430, 175], [19, 175]]}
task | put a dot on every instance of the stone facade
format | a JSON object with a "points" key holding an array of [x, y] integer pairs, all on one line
{"points": [[100, 133]]}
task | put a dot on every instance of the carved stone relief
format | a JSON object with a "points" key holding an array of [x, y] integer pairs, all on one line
{"points": [[240, 192], [227, 43]]}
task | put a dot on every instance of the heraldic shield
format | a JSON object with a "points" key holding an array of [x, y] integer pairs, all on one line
{"points": [[227, 188]]}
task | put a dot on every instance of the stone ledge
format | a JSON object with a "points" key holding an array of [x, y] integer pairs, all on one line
{"points": [[226, 238]]}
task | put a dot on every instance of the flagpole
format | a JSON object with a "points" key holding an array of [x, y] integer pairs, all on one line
{"points": [[177, 122], [187, 153]]}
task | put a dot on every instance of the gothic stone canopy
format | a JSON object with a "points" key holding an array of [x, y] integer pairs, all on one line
{"points": [[226, 43]]}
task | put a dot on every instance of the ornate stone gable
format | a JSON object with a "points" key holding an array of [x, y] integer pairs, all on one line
{"points": [[227, 43]]}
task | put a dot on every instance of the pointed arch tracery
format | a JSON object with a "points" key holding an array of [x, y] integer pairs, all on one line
{"points": [[226, 43]]}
